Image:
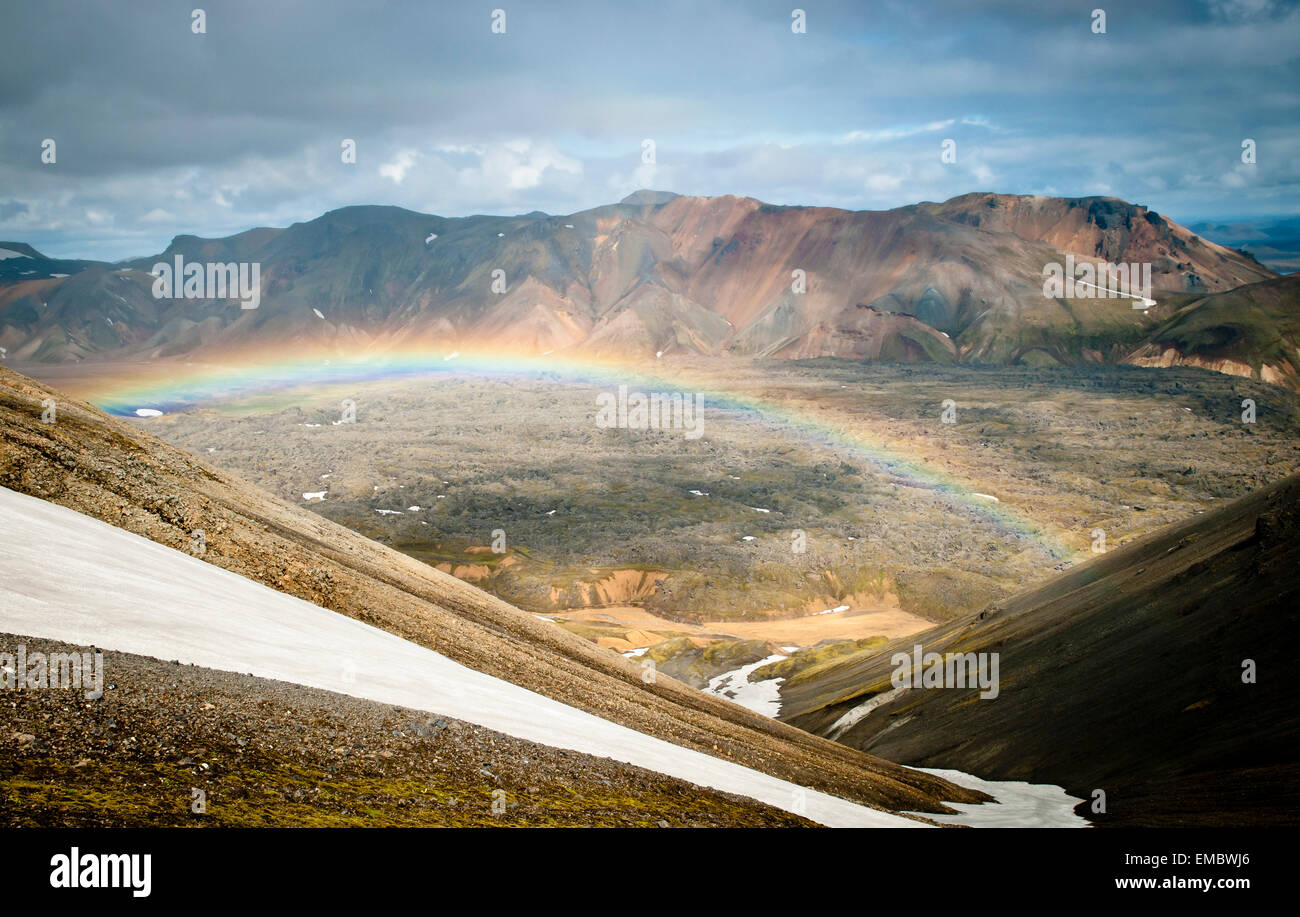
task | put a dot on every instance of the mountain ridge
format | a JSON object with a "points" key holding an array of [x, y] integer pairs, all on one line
{"points": [[659, 273], [1127, 674]]}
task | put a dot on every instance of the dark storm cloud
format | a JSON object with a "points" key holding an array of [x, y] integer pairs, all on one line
{"points": [[161, 131]]}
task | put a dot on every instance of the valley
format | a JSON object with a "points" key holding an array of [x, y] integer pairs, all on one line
{"points": [[190, 562], [656, 538]]}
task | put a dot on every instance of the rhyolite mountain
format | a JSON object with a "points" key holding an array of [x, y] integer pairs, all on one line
{"points": [[658, 273]]}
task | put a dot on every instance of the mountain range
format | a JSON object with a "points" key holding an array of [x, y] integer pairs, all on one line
{"points": [[660, 274]]}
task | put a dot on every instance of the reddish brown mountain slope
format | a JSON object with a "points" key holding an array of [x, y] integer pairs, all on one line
{"points": [[658, 273]]}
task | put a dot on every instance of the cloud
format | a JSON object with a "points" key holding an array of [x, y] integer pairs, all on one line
{"points": [[161, 132], [521, 164], [1242, 10], [397, 169], [895, 133], [11, 209], [880, 181]]}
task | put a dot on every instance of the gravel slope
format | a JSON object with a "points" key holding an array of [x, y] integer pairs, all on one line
{"points": [[270, 753]]}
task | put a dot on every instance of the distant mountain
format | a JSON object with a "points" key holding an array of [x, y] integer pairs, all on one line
{"points": [[1273, 241], [20, 263], [1125, 674], [655, 273]]}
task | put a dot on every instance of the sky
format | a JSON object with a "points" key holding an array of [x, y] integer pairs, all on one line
{"points": [[159, 130]]}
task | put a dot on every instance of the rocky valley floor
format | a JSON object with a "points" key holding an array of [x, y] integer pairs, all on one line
{"points": [[633, 538]]}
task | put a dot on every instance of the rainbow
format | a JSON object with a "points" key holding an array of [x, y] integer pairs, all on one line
{"points": [[172, 386]]}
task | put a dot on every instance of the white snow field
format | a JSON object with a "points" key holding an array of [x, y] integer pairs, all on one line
{"points": [[760, 696], [69, 577], [1019, 805]]}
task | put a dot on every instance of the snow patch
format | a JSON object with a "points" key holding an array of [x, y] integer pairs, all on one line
{"points": [[859, 713], [1019, 804], [760, 696]]}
